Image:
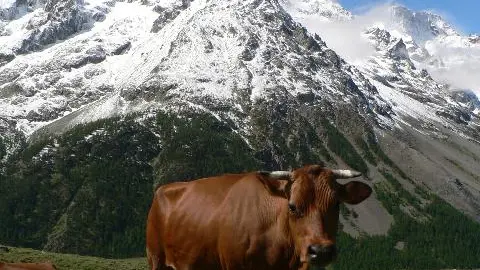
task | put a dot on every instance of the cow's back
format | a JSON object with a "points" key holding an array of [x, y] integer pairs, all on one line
{"points": [[182, 226]]}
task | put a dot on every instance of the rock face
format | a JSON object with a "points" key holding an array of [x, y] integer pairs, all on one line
{"points": [[32, 25], [252, 66]]}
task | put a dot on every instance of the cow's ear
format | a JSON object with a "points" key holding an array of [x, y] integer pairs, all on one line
{"points": [[354, 192], [275, 184]]}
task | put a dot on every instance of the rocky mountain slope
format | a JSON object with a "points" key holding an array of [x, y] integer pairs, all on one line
{"points": [[102, 100], [423, 105]]}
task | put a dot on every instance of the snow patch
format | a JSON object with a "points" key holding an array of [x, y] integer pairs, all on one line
{"points": [[4, 4], [126, 23], [405, 105], [135, 68]]}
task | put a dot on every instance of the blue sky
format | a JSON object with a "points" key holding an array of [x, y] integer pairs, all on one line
{"points": [[463, 14]]}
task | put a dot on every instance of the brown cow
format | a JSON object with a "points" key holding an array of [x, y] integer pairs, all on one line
{"points": [[27, 266], [258, 220]]}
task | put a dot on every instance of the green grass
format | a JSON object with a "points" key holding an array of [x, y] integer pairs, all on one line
{"points": [[71, 261]]}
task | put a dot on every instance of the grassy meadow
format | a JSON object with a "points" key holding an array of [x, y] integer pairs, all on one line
{"points": [[71, 261]]}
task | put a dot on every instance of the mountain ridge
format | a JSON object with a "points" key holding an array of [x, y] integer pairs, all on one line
{"points": [[207, 87]]}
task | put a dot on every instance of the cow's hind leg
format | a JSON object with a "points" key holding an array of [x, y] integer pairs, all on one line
{"points": [[153, 260], [155, 228], [158, 262]]}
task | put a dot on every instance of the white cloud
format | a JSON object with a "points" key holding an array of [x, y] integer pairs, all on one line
{"points": [[456, 65], [345, 37]]}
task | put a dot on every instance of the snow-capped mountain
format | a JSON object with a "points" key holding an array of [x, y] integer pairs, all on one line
{"points": [[407, 46], [64, 63], [325, 10], [68, 69], [111, 61], [437, 46], [422, 26], [409, 66], [393, 69]]}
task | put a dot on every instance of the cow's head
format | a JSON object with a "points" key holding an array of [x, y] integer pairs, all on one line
{"points": [[313, 198]]}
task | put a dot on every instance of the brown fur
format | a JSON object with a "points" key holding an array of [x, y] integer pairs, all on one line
{"points": [[27, 266], [242, 221]]}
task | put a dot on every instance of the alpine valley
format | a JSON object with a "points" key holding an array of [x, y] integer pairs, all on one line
{"points": [[103, 100]]}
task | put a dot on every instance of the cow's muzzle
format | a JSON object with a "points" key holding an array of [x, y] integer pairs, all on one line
{"points": [[321, 255]]}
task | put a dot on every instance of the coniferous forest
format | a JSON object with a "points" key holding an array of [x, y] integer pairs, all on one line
{"points": [[88, 191]]}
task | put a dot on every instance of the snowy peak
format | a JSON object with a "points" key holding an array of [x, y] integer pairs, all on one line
{"points": [[398, 71], [435, 45], [215, 54], [327, 10], [145, 54], [474, 39], [420, 25], [106, 57], [394, 47]]}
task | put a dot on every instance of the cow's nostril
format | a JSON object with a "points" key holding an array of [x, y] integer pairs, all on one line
{"points": [[314, 250], [321, 252]]}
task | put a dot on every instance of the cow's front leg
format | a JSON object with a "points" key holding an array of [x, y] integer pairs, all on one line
{"points": [[179, 266]]}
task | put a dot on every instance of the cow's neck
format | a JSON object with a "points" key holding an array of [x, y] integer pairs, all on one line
{"points": [[286, 242]]}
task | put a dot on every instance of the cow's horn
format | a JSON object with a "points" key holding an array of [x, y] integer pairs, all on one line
{"points": [[343, 174], [279, 174]]}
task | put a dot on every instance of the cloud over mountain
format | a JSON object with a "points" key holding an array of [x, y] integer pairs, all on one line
{"points": [[447, 55]]}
